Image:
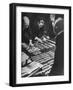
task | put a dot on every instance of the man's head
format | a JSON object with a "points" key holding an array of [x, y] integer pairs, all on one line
{"points": [[26, 21], [59, 27], [52, 17], [41, 23]]}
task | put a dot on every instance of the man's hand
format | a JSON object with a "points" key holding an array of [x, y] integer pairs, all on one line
{"points": [[38, 39], [30, 43], [47, 37]]}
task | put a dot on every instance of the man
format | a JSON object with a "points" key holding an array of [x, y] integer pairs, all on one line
{"points": [[41, 31], [58, 67], [26, 40], [57, 24], [52, 33], [26, 31]]}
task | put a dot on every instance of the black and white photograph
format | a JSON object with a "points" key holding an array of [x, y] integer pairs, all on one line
{"points": [[40, 39], [42, 45]]}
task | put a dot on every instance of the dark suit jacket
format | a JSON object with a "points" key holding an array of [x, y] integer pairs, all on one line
{"points": [[27, 35], [58, 67]]}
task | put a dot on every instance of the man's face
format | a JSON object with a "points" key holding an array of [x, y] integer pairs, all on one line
{"points": [[52, 17], [41, 23], [26, 21]]}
